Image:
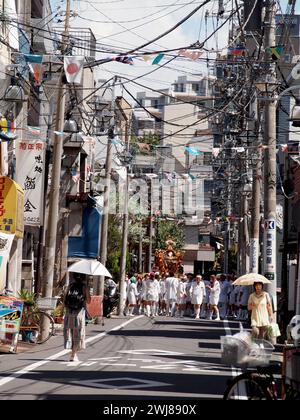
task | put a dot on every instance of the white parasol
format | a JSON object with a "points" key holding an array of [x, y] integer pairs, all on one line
{"points": [[250, 279], [89, 267]]}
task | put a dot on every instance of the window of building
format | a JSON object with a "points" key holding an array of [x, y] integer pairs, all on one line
{"points": [[37, 9], [195, 87]]}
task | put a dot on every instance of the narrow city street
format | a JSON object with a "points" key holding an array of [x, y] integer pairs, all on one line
{"points": [[165, 358]]}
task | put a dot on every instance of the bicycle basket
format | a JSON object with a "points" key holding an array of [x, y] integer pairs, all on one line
{"points": [[47, 303], [239, 353]]}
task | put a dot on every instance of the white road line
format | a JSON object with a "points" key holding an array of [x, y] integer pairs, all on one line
{"points": [[234, 371], [37, 365], [116, 364]]}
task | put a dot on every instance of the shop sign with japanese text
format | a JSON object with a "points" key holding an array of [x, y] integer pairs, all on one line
{"points": [[31, 155], [11, 207]]}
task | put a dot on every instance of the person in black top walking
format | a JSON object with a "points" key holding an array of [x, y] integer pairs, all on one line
{"points": [[76, 298]]}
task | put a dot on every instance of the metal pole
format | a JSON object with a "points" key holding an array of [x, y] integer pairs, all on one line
{"points": [[256, 201], [50, 250], [150, 251], [124, 238], [108, 169], [270, 175]]}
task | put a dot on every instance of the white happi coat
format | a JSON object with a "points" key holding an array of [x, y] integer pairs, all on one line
{"points": [[162, 293], [132, 293], [225, 290], [181, 293], [215, 294], [171, 288], [151, 290], [198, 291]]}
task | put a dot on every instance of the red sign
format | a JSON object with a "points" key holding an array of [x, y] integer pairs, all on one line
{"points": [[95, 308]]}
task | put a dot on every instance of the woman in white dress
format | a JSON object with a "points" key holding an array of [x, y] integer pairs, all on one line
{"points": [[260, 305], [132, 294], [198, 292], [214, 297]]}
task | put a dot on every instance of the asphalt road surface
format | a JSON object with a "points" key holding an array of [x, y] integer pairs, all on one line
{"points": [[128, 359]]}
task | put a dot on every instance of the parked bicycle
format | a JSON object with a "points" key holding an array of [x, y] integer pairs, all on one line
{"points": [[259, 382], [34, 319]]}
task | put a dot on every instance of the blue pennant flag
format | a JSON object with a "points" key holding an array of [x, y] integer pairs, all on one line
{"points": [[193, 151]]}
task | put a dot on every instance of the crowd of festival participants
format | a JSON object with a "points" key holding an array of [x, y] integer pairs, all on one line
{"points": [[213, 297]]}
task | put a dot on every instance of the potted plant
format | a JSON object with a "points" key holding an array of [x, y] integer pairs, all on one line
{"points": [[58, 314], [29, 299]]}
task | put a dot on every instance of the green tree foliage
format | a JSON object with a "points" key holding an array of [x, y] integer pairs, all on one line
{"points": [[169, 229], [114, 245]]}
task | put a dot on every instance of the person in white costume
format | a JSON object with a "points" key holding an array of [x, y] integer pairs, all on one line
{"points": [[198, 291], [189, 306], [214, 296], [205, 305], [244, 299], [162, 296], [155, 302], [223, 301], [231, 309], [132, 294], [171, 294], [140, 297], [181, 296], [151, 293]]}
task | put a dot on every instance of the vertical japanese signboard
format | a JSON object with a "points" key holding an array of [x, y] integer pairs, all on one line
{"points": [[11, 207], [31, 154], [270, 249]]}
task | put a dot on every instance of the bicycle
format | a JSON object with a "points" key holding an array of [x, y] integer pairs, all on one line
{"points": [[254, 385], [259, 383], [33, 322]]}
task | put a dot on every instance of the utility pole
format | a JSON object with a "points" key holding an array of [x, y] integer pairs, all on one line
{"points": [[108, 169], [256, 203], [270, 141], [51, 235], [124, 234], [150, 249]]}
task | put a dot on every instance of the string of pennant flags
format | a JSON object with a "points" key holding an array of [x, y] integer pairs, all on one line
{"points": [[74, 65]]}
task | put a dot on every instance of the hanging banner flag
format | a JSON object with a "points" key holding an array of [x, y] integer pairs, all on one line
{"points": [[35, 131], [74, 69], [158, 59], [35, 63], [30, 156], [147, 58], [192, 151], [193, 55], [75, 176], [238, 51], [276, 52], [125, 60], [216, 152], [284, 148]]}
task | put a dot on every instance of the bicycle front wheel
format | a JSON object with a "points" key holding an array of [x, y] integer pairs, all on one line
{"points": [[45, 326], [245, 387]]}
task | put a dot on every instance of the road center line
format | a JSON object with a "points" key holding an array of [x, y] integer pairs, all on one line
{"points": [[36, 365]]}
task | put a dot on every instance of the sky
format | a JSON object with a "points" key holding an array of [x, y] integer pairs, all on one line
{"points": [[125, 24]]}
